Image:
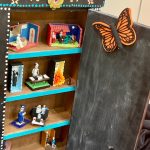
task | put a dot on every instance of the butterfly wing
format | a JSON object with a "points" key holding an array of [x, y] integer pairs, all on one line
{"points": [[125, 28], [108, 40]]}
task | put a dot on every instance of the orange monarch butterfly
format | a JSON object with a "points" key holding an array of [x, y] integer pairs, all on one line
{"points": [[114, 36]]}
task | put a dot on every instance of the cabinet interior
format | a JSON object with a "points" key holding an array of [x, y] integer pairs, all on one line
{"points": [[60, 105]]}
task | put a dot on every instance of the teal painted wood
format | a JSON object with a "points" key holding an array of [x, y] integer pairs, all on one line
{"points": [[38, 129], [43, 53], [40, 93]]}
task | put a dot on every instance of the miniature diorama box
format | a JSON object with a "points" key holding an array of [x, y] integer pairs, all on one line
{"points": [[23, 36], [71, 78], [64, 35]]}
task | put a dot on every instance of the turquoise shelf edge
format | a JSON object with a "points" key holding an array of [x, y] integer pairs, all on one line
{"points": [[40, 93], [38, 129], [43, 53]]}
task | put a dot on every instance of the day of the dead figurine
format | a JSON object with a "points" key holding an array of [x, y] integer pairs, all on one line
{"points": [[21, 121], [64, 35], [37, 81], [23, 36], [39, 115]]}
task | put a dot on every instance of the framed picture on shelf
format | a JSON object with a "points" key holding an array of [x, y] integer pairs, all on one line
{"points": [[16, 77], [57, 72]]}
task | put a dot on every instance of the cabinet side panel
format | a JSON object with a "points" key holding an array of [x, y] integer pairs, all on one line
{"points": [[112, 91], [3, 55], [4, 23]]}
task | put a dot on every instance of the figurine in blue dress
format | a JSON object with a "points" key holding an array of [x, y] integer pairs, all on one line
{"points": [[21, 121], [21, 115]]}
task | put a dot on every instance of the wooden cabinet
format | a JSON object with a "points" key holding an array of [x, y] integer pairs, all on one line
{"points": [[59, 99], [104, 105]]}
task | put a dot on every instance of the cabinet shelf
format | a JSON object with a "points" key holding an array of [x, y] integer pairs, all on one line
{"points": [[37, 146], [27, 93], [43, 50], [55, 120]]}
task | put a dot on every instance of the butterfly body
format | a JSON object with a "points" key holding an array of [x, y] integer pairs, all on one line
{"points": [[114, 36]]}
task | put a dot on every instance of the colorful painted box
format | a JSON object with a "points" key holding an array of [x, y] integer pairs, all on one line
{"points": [[23, 36], [64, 35]]}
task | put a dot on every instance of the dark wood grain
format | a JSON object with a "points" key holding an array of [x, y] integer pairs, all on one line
{"points": [[112, 91]]}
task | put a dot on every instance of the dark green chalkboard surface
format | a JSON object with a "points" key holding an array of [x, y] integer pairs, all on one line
{"points": [[112, 91]]}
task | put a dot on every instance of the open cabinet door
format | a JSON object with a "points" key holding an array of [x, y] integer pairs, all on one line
{"points": [[112, 91]]}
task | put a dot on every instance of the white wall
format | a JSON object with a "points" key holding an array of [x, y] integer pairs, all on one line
{"points": [[140, 9]]}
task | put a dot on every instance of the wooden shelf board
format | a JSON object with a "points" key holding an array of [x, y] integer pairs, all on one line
{"points": [[27, 93], [56, 119], [43, 50], [37, 146]]}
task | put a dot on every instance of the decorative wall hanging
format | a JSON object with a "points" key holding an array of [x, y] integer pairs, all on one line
{"points": [[55, 3], [113, 36]]}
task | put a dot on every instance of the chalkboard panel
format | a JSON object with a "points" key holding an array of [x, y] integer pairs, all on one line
{"points": [[112, 91], [44, 3]]}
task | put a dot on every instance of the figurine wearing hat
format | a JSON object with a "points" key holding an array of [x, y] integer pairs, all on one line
{"points": [[21, 114], [21, 121], [39, 115]]}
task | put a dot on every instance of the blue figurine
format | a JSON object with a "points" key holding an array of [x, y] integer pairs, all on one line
{"points": [[53, 143], [21, 121], [21, 115]]}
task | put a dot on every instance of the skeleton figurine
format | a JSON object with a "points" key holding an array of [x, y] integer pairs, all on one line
{"points": [[90, 1], [14, 1], [39, 115], [72, 1], [36, 0]]}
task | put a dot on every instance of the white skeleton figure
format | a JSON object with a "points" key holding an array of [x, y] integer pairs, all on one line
{"points": [[36, 0], [73, 0], [14, 1], [90, 1]]}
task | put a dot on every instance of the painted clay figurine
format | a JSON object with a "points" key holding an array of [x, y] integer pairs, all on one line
{"points": [[39, 114], [21, 115], [53, 143], [35, 71], [21, 121], [19, 42], [37, 81]]}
